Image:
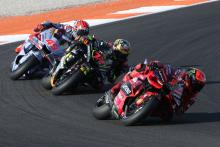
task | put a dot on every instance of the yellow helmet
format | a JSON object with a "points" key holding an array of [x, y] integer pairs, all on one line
{"points": [[122, 46]]}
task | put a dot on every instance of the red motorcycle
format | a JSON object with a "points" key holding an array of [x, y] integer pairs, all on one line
{"points": [[138, 98]]}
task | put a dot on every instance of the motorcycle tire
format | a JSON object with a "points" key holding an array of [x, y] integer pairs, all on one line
{"points": [[24, 67], [147, 109], [102, 112], [167, 117], [46, 82], [71, 83]]}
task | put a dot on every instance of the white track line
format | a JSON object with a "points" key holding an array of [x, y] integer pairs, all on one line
{"points": [[149, 9]]}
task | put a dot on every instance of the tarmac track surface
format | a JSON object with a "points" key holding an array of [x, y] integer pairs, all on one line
{"points": [[31, 116]]}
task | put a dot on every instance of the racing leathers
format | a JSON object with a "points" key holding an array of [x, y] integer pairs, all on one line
{"points": [[65, 34], [108, 65]]}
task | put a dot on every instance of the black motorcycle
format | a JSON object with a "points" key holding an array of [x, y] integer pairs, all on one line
{"points": [[81, 71]]}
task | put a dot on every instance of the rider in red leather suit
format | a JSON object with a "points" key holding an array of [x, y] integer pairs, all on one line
{"points": [[182, 85]]}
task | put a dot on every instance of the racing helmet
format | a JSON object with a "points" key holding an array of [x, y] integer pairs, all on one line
{"points": [[122, 47], [197, 79], [81, 27]]}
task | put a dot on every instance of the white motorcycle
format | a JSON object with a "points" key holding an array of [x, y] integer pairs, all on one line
{"points": [[38, 52]]}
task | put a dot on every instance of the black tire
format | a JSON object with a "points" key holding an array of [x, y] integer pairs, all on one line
{"points": [[102, 112], [46, 82], [24, 67], [166, 111], [167, 117], [146, 110], [70, 83]]}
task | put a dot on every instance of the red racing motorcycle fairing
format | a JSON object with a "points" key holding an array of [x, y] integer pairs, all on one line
{"points": [[134, 88]]}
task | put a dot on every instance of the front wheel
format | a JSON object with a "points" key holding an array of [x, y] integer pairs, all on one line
{"points": [[24, 67], [46, 82], [66, 82], [135, 115], [102, 110]]}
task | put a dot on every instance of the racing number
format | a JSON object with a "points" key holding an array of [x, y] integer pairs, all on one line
{"points": [[52, 44], [126, 89]]}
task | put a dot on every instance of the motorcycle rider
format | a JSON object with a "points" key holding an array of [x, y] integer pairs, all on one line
{"points": [[182, 85], [109, 59], [113, 59], [189, 83], [65, 35], [64, 32]]}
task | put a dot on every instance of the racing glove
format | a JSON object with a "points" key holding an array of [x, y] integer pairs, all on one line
{"points": [[39, 28], [43, 26]]}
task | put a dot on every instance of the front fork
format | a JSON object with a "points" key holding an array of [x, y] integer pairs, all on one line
{"points": [[108, 98], [65, 62], [57, 72]]}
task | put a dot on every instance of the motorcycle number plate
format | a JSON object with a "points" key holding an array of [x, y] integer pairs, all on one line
{"points": [[126, 89]]}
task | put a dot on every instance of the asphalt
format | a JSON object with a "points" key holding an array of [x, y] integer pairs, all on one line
{"points": [[31, 116]]}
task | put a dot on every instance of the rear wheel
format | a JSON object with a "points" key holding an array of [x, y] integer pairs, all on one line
{"points": [[24, 67], [66, 82], [167, 117], [134, 114], [165, 111]]}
